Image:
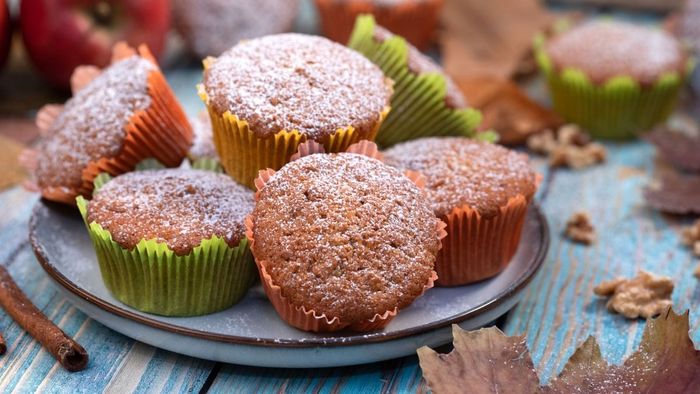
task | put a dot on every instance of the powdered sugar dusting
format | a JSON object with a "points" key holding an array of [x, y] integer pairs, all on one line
{"points": [[460, 171], [295, 81], [607, 49], [175, 206], [92, 123], [345, 235], [210, 27], [203, 143]]}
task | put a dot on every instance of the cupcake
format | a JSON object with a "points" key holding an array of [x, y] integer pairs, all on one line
{"points": [[116, 118], [342, 241], [172, 242], [613, 78], [210, 27], [267, 95], [426, 102], [481, 191], [416, 20], [202, 154]]}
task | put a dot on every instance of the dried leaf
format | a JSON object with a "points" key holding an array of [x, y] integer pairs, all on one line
{"points": [[678, 144], [490, 38], [507, 109], [674, 193], [486, 361]]}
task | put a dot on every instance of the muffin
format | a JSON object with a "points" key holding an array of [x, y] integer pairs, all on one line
{"points": [[427, 102], [342, 241], [210, 27], [416, 20], [481, 191], [172, 242], [613, 78], [267, 95], [116, 118], [202, 154]]}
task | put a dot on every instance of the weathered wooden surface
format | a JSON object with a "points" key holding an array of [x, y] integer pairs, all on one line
{"points": [[559, 310]]}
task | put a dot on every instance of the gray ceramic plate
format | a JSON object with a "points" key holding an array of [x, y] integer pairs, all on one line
{"points": [[251, 333]]}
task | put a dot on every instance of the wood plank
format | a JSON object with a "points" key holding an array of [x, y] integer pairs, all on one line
{"points": [[560, 311], [27, 367]]}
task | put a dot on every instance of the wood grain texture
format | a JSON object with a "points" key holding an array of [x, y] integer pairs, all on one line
{"points": [[558, 312]]}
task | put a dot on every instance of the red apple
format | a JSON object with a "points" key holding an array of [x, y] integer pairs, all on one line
{"points": [[5, 32], [62, 34]]}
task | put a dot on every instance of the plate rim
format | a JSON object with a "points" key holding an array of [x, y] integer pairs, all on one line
{"points": [[486, 306]]}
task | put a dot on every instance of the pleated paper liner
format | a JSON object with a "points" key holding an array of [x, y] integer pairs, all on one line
{"points": [[154, 279], [418, 104], [206, 163], [298, 315], [161, 131], [416, 20], [243, 153], [476, 247], [619, 109]]}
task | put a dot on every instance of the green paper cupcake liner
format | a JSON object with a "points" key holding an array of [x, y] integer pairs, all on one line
{"points": [[152, 278], [207, 163], [418, 104], [619, 109]]}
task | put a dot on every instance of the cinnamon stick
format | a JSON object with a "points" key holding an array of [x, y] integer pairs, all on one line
{"points": [[69, 353]]}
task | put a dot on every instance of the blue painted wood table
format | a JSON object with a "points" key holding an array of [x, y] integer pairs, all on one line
{"points": [[557, 313]]}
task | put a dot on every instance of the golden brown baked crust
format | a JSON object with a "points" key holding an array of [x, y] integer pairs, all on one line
{"points": [[297, 82], [460, 171], [345, 235], [176, 206]]}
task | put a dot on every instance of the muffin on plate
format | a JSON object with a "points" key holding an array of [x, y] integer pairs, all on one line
{"points": [[202, 154], [481, 191], [116, 118], [416, 20], [210, 27], [342, 240], [613, 78], [426, 102], [171, 242], [266, 96]]}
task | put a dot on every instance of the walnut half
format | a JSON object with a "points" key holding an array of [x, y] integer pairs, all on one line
{"points": [[580, 229], [646, 295]]}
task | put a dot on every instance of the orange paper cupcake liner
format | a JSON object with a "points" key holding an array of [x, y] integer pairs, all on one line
{"points": [[309, 319], [476, 247], [161, 131], [415, 20]]}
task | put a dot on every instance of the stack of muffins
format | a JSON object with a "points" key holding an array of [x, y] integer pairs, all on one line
{"points": [[341, 235]]}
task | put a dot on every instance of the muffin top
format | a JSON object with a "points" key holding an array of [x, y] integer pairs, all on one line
{"points": [[418, 63], [92, 123], [176, 206], [297, 82], [460, 171], [203, 142], [210, 27], [345, 235], [603, 50]]}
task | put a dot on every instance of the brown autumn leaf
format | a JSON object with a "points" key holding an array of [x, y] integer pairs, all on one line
{"points": [[678, 145], [674, 193], [490, 38], [507, 109], [487, 361]]}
